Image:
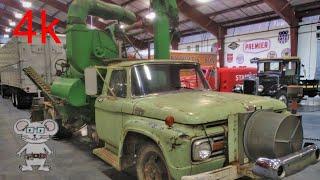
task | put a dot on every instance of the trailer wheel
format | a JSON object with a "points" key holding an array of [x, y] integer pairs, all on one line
{"points": [[13, 98], [282, 96], [151, 164], [19, 100]]}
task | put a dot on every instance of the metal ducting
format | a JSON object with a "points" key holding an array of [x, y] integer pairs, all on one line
{"points": [[272, 135]]}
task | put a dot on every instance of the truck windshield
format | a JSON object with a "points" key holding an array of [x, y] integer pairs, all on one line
{"points": [[289, 68], [160, 78]]}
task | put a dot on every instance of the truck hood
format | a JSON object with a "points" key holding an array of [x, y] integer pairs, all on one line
{"points": [[200, 107]]}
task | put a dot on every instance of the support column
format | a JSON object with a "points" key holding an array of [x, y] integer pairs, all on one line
{"points": [[221, 38], [220, 54], [294, 40], [175, 42]]}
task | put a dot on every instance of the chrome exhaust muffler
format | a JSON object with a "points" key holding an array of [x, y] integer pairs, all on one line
{"points": [[287, 165]]}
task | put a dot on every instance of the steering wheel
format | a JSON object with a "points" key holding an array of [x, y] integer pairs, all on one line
{"points": [[61, 67]]}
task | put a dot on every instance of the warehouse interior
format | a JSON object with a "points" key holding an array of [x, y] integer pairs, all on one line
{"points": [[160, 89]]}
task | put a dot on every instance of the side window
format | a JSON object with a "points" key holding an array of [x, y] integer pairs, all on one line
{"points": [[212, 73], [118, 84]]}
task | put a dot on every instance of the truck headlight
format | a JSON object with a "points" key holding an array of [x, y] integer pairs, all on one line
{"points": [[238, 88], [201, 150], [260, 88]]}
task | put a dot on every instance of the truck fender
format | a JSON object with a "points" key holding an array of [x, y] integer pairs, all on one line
{"points": [[166, 139]]}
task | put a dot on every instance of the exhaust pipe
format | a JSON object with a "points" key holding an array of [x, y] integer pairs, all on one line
{"points": [[287, 165]]}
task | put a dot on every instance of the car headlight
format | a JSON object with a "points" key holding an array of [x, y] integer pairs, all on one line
{"points": [[260, 88], [201, 150]]}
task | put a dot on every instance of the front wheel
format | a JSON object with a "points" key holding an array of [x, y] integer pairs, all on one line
{"points": [[13, 99], [282, 96], [151, 164]]}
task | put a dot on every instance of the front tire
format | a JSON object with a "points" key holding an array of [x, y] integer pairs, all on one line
{"points": [[282, 96], [151, 164], [13, 99]]}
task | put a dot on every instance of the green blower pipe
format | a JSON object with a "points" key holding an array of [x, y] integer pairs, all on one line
{"points": [[87, 47], [166, 14], [80, 9]]}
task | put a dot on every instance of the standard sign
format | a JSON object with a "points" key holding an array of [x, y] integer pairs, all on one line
{"points": [[256, 46]]}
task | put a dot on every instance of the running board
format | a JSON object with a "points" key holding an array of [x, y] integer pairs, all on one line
{"points": [[108, 157]]}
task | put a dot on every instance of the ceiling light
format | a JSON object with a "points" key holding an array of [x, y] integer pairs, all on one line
{"points": [[122, 26], [12, 23], [151, 15], [26, 4], [18, 15], [8, 30], [204, 1], [6, 36]]}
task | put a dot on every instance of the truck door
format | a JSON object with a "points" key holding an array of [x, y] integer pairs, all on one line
{"points": [[109, 108], [211, 78]]}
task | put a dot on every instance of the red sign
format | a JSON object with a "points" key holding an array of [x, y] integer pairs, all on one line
{"points": [[28, 31], [257, 46], [229, 58]]}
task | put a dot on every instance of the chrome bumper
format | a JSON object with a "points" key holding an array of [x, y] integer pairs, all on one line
{"points": [[287, 165]]}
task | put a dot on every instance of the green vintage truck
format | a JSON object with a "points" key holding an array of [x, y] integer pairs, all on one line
{"points": [[149, 121]]}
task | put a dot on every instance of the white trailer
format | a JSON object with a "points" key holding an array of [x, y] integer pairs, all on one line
{"points": [[16, 55]]}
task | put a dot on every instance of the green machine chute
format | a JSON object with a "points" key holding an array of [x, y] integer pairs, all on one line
{"points": [[87, 47], [70, 90]]}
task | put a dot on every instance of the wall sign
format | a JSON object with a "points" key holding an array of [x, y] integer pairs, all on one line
{"points": [[240, 59], [215, 48], [286, 52], [283, 37], [233, 45], [272, 54], [229, 58], [256, 46]]}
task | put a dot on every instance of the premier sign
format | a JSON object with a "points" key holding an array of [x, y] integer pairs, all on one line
{"points": [[256, 46]]}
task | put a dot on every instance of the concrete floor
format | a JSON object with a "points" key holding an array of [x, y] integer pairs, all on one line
{"points": [[74, 160]]}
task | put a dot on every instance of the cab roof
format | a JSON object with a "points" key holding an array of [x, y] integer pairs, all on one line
{"points": [[279, 59], [128, 63]]}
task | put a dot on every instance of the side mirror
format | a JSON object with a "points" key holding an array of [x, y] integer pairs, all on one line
{"points": [[91, 81]]}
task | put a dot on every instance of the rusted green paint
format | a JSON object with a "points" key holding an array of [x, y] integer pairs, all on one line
{"points": [[115, 117], [233, 138]]}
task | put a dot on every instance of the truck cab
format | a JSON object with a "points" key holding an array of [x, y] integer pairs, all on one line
{"points": [[277, 77], [150, 122]]}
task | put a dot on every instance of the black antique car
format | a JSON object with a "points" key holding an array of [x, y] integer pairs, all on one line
{"points": [[279, 78]]}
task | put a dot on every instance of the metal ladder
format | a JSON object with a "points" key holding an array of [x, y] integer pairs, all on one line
{"points": [[38, 81]]}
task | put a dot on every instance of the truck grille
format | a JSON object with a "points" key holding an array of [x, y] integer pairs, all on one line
{"points": [[268, 84], [249, 87]]}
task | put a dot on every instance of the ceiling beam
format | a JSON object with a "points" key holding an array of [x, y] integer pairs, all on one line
{"points": [[248, 18], [284, 9], [256, 21], [306, 13], [18, 6], [56, 4], [309, 9], [246, 5], [127, 3], [202, 20]]}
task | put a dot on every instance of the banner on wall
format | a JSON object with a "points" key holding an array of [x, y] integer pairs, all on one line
{"points": [[203, 58], [256, 46]]}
